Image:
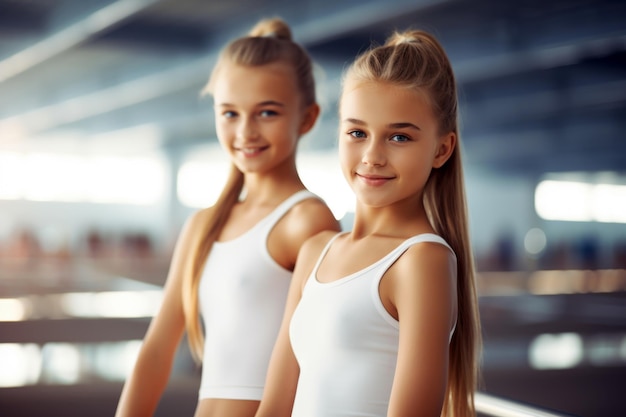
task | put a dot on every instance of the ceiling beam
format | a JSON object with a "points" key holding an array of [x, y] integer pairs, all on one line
{"points": [[314, 29], [328, 25], [517, 62], [72, 35]]}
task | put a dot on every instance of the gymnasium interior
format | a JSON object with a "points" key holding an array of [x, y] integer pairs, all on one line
{"points": [[107, 146]]}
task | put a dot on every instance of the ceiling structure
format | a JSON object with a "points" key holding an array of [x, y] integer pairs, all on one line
{"points": [[542, 84]]}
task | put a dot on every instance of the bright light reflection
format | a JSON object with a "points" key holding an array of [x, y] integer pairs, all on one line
{"points": [[50, 177], [12, 309], [61, 363], [199, 184], [563, 200], [66, 363], [579, 201], [19, 364], [11, 180], [126, 180], [556, 351], [604, 350], [76, 178], [322, 175], [115, 361], [535, 241], [120, 304], [608, 203], [201, 178]]}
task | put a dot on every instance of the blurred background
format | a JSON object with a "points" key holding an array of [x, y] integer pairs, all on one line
{"points": [[106, 147]]}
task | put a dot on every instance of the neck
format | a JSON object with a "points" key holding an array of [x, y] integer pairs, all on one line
{"points": [[272, 187], [401, 221]]}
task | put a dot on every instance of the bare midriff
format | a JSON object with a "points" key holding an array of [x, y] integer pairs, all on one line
{"points": [[221, 407]]}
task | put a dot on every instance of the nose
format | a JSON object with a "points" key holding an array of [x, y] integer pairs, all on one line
{"points": [[374, 154], [247, 130]]}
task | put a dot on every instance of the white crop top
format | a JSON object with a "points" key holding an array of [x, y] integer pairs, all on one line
{"points": [[242, 296], [345, 342]]}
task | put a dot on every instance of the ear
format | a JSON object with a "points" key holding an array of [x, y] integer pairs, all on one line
{"points": [[311, 114], [446, 146]]}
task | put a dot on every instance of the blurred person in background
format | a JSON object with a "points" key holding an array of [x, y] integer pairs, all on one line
{"points": [[232, 265], [383, 320]]}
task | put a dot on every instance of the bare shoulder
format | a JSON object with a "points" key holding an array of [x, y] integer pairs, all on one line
{"points": [[423, 284], [427, 270], [302, 221], [429, 257], [310, 252], [200, 216], [193, 227], [188, 238], [310, 217], [316, 243], [305, 219]]}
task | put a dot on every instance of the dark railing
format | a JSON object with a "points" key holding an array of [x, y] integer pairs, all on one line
{"points": [[489, 405]]}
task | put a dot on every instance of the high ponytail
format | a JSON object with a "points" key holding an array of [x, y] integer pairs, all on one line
{"points": [[271, 28], [416, 60], [268, 42]]}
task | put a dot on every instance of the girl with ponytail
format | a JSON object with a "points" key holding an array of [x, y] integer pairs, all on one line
{"points": [[382, 320], [232, 265]]}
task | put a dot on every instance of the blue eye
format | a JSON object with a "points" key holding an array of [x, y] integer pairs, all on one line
{"points": [[359, 134], [400, 138], [229, 114]]}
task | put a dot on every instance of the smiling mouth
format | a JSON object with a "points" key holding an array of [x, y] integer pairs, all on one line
{"points": [[374, 179], [250, 152]]}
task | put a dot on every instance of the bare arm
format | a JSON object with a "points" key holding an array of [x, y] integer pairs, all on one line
{"points": [[146, 384], [423, 291], [283, 371]]}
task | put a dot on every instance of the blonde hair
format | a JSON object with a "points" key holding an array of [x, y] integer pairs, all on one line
{"points": [[268, 42], [415, 59]]}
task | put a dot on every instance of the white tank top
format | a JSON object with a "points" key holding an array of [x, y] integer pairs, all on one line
{"points": [[242, 298], [345, 342]]}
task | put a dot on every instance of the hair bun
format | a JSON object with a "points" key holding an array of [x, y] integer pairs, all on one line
{"points": [[272, 28], [408, 36]]}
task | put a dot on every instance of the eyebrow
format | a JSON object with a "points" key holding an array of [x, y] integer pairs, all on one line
{"points": [[263, 103], [399, 125], [403, 125]]}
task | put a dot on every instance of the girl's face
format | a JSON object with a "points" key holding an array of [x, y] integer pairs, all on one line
{"points": [[259, 115], [389, 142]]}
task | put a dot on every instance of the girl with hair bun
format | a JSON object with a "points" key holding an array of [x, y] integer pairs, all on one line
{"points": [[382, 320], [232, 265]]}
